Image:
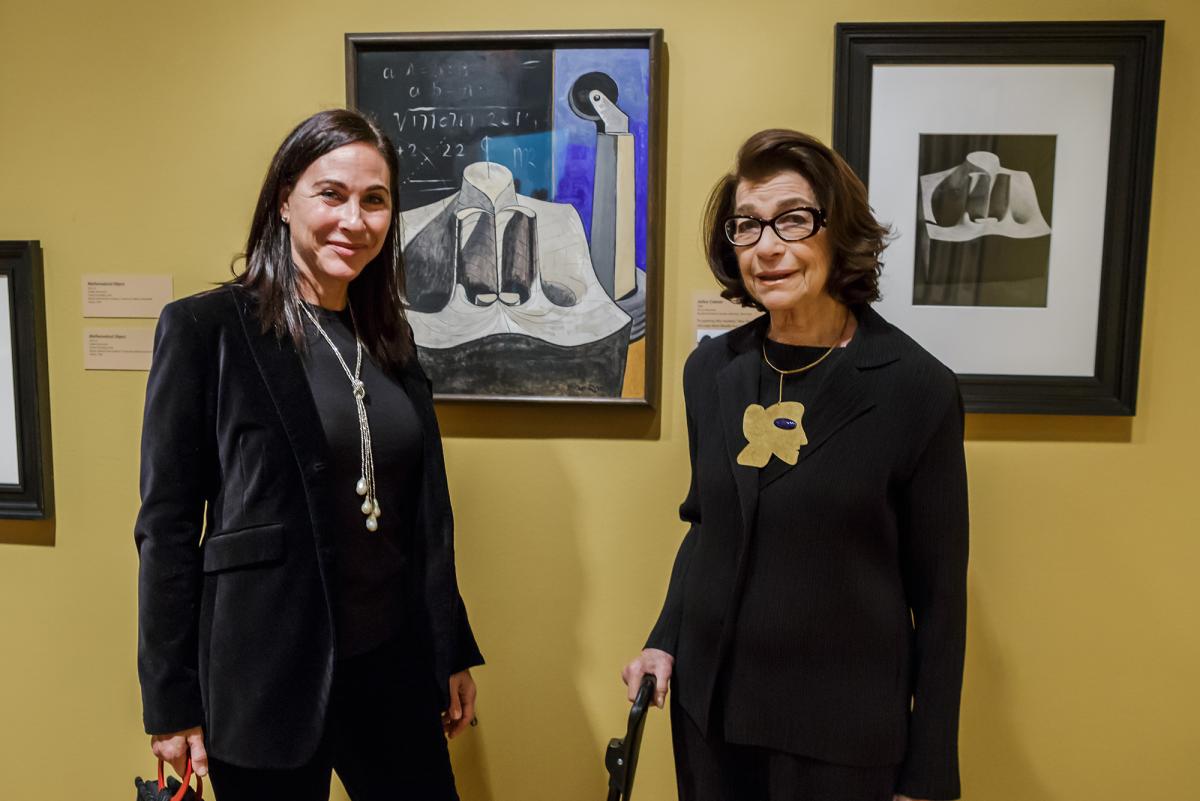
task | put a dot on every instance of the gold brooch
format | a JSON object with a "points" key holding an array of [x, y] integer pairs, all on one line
{"points": [[773, 430]]}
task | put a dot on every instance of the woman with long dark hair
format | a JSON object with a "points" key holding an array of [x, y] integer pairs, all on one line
{"points": [[298, 606]]}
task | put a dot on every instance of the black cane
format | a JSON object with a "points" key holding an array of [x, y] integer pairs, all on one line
{"points": [[622, 754]]}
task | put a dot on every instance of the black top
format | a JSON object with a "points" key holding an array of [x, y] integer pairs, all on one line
{"points": [[370, 565], [826, 600]]}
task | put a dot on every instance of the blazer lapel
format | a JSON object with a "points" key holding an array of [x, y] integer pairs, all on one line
{"points": [[283, 373], [840, 398], [737, 388]]}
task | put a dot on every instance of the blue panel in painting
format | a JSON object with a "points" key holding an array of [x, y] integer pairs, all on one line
{"points": [[575, 137]]}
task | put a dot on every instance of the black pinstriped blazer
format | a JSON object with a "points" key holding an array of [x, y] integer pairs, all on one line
{"points": [[859, 616]]}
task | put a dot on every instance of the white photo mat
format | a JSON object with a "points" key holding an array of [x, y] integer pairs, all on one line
{"points": [[1073, 103]]}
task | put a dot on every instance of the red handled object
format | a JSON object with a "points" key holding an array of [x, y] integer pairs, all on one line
{"points": [[170, 789]]}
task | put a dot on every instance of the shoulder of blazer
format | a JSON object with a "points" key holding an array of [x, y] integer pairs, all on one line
{"points": [[207, 310], [921, 370], [922, 390], [413, 366]]}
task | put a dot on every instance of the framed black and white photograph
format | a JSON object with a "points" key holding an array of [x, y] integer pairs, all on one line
{"points": [[26, 485], [1013, 162], [531, 202]]}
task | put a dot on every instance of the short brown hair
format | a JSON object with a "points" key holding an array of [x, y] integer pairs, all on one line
{"points": [[856, 238]]}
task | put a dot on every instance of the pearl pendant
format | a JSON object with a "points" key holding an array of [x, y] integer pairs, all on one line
{"points": [[377, 511], [361, 486], [366, 507], [372, 524]]}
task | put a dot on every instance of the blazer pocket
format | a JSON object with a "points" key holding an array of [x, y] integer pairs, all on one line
{"points": [[244, 547]]}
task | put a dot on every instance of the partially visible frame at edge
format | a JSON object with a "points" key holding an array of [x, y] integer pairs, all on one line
{"points": [[32, 496]]}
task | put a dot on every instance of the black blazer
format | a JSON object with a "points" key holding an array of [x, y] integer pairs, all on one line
{"points": [[236, 630], [874, 538]]}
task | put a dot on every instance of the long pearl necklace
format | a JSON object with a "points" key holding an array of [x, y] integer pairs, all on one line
{"points": [[365, 486]]}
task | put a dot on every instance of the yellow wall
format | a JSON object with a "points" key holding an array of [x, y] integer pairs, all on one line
{"points": [[133, 136]]}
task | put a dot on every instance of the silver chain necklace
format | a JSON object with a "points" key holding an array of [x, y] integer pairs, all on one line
{"points": [[365, 486]]}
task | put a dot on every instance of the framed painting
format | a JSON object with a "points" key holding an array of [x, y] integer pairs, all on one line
{"points": [[531, 203], [26, 475], [1013, 162]]}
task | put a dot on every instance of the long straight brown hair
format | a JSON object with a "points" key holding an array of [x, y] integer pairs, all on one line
{"points": [[377, 294]]}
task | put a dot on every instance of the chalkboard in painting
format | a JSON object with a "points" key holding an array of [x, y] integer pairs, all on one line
{"points": [[444, 108], [530, 207]]}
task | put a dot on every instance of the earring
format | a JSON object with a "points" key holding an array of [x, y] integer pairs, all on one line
{"points": [[284, 218]]}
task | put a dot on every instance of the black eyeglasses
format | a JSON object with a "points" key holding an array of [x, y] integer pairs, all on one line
{"points": [[790, 226]]}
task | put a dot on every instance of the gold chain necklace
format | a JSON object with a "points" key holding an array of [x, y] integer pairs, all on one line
{"points": [[837, 342], [796, 370]]}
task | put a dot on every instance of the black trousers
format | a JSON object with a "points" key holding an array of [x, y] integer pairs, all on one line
{"points": [[383, 736], [707, 768]]}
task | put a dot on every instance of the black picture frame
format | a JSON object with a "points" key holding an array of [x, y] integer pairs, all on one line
{"points": [[1134, 50], [31, 496], [361, 47]]}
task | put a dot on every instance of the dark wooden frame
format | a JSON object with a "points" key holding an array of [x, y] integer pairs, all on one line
{"points": [[32, 497], [652, 40], [1135, 51]]}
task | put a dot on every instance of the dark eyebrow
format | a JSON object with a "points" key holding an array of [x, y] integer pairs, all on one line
{"points": [[339, 185], [787, 204]]}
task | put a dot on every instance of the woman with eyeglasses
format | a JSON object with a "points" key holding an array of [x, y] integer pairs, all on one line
{"points": [[815, 621]]}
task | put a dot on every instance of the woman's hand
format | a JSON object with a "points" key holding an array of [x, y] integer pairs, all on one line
{"points": [[652, 661], [175, 749], [462, 704]]}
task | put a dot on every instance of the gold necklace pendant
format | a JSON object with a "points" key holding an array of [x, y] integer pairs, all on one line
{"points": [[776, 430], [773, 430]]}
